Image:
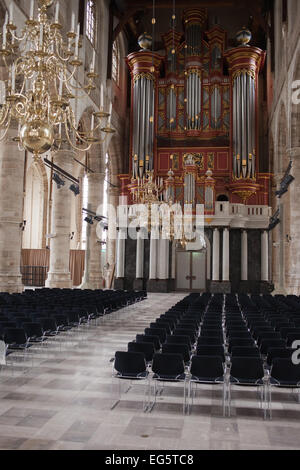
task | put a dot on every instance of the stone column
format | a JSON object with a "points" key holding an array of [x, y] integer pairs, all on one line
{"points": [[121, 254], [113, 201], [95, 201], [225, 267], [216, 255], [163, 259], [59, 270], [265, 256], [11, 214], [139, 256], [244, 256], [294, 189], [153, 257]]}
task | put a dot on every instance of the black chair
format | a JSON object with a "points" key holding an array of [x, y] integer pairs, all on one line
{"points": [[248, 371], [240, 342], [34, 332], [16, 339], [245, 352], [208, 350], [274, 353], [130, 366], [284, 374], [177, 348], [268, 335], [206, 370], [267, 344], [168, 368], [186, 332], [146, 348], [149, 339], [179, 339], [160, 332], [161, 324], [291, 337], [208, 340]]}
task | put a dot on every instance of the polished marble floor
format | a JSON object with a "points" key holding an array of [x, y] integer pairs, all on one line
{"points": [[63, 401]]}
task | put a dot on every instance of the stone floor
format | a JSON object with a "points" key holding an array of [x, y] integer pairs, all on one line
{"points": [[63, 401]]}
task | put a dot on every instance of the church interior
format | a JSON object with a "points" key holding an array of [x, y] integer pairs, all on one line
{"points": [[149, 178]]}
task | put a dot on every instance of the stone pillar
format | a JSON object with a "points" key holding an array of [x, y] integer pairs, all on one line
{"points": [[265, 256], [139, 256], [59, 268], [244, 256], [95, 201], [153, 257], [225, 267], [113, 201], [139, 268], [294, 244], [11, 214], [121, 254], [216, 255], [163, 259]]}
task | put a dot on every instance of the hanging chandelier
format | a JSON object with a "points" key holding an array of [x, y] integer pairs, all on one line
{"points": [[42, 84]]}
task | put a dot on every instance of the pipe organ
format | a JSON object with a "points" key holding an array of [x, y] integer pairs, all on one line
{"points": [[194, 120]]}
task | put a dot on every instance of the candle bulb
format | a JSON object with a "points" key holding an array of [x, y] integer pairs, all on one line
{"points": [[31, 9], [11, 12], [101, 96], [92, 122], [77, 40], [73, 23], [110, 113], [56, 12], [4, 32], [93, 61]]}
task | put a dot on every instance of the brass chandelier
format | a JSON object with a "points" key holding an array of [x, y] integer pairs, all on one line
{"points": [[42, 83]]}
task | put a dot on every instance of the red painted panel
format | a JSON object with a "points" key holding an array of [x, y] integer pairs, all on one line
{"points": [[222, 161]]}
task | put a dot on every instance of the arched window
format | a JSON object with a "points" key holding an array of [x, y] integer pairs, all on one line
{"points": [[115, 73], [91, 20]]}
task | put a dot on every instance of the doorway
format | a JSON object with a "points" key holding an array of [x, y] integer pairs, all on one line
{"points": [[191, 272]]}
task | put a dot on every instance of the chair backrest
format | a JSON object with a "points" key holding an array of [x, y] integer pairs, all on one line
{"points": [[209, 340], [165, 364], [274, 353], [266, 344], [247, 368], [130, 362], [177, 348], [286, 331], [179, 339], [149, 339], [160, 332], [146, 348], [15, 335], [33, 329], [291, 337], [209, 367], [161, 324], [241, 351], [211, 350], [285, 372], [185, 332]]}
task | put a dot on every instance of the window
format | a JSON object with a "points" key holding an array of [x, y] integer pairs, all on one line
{"points": [[115, 73], [91, 20]]}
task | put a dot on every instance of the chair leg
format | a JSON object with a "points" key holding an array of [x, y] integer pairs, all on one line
{"points": [[118, 399]]}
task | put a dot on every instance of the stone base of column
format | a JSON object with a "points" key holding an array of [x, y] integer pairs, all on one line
{"points": [[158, 285], [220, 287], [138, 284], [59, 280], [119, 283], [11, 284], [255, 287]]}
